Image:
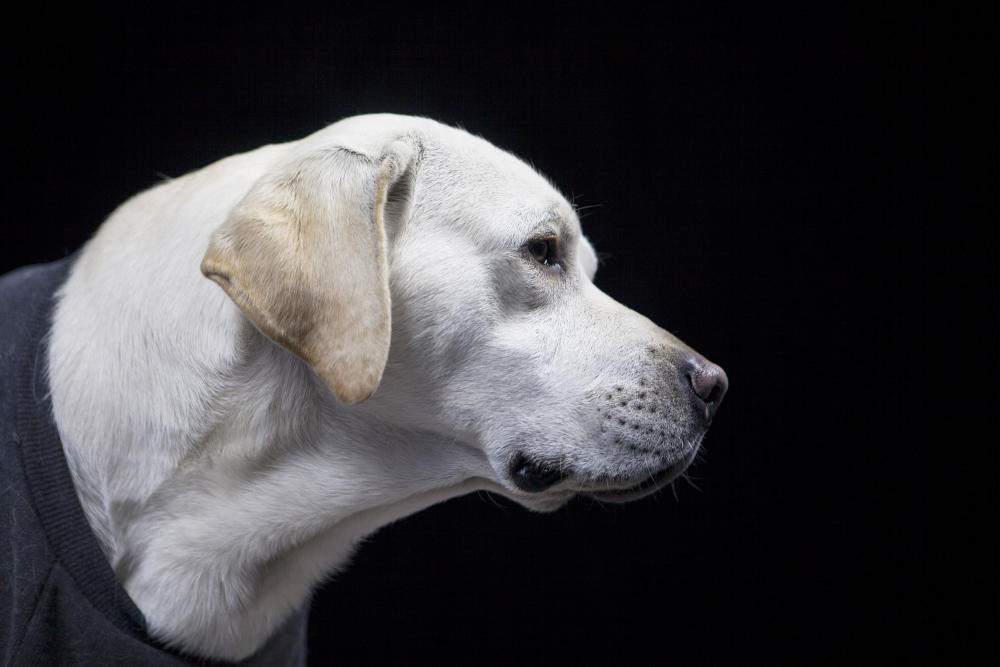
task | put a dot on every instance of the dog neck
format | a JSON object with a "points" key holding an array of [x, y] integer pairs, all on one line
{"points": [[224, 488]]}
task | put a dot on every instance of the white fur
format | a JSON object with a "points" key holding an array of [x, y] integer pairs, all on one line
{"points": [[224, 480]]}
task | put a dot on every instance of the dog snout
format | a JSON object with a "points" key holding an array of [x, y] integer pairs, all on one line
{"points": [[708, 383]]}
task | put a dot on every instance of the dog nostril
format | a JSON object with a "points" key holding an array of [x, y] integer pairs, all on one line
{"points": [[709, 383]]}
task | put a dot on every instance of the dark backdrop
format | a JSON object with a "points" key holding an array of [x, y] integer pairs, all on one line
{"points": [[775, 186]]}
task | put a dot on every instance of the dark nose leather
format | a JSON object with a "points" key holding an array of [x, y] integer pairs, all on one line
{"points": [[708, 384]]}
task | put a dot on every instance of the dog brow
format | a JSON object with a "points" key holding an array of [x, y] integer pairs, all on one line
{"points": [[556, 217], [558, 224]]}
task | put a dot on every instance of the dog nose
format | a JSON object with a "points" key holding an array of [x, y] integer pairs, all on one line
{"points": [[709, 384]]}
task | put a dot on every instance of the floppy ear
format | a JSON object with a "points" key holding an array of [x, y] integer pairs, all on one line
{"points": [[304, 257]]}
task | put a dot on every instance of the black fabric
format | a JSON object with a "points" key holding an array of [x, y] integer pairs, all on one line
{"points": [[60, 603]]}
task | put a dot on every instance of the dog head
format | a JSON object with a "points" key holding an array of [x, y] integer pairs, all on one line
{"points": [[400, 255]]}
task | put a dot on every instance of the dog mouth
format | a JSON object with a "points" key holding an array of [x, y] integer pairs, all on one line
{"points": [[533, 476]]}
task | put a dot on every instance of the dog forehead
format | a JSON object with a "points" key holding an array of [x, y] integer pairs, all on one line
{"points": [[463, 181], [469, 181]]}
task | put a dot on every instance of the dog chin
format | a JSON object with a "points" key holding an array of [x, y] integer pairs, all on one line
{"points": [[544, 502]]}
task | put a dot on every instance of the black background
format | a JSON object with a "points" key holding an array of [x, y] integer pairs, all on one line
{"points": [[807, 196]]}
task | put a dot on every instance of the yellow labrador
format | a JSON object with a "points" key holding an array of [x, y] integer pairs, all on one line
{"points": [[257, 364]]}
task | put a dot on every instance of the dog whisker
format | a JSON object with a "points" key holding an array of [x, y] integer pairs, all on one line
{"points": [[687, 478]]}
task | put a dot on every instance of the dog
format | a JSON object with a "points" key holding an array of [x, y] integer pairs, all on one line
{"points": [[257, 364]]}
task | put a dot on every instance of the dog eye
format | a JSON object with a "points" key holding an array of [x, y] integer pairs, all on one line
{"points": [[544, 250]]}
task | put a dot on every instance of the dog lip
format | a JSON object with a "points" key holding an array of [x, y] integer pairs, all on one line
{"points": [[657, 481], [534, 476]]}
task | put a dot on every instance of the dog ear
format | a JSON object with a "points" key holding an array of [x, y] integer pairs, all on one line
{"points": [[304, 257]]}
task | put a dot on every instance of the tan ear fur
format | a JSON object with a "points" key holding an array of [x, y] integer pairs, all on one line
{"points": [[304, 258]]}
